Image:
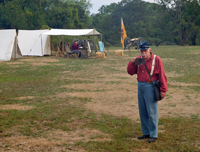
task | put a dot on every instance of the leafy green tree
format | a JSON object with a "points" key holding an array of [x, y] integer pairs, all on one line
{"points": [[84, 4], [185, 17], [137, 17], [83, 7], [65, 14], [37, 14], [22, 14]]}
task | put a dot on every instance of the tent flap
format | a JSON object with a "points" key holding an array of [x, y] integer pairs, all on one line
{"points": [[8, 45]]}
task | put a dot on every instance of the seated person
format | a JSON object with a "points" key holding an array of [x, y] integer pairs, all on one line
{"points": [[75, 48]]}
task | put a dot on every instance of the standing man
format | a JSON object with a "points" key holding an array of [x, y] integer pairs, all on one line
{"points": [[148, 107], [75, 48]]}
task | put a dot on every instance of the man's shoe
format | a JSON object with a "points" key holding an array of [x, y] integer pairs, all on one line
{"points": [[152, 140], [144, 137]]}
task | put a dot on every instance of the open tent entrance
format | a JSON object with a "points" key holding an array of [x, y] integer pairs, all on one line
{"points": [[72, 32], [9, 48]]}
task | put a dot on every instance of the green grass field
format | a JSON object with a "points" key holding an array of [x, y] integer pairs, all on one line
{"points": [[59, 104]]}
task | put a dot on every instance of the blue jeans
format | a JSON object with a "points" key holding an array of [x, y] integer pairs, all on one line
{"points": [[77, 51], [148, 109]]}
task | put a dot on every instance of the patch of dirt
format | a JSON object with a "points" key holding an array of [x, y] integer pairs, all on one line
{"points": [[195, 52], [196, 64], [197, 143], [161, 128], [15, 107], [131, 50], [179, 103], [183, 84], [24, 143], [84, 135], [39, 64], [14, 63], [172, 74], [66, 72], [55, 141], [121, 99], [35, 61], [168, 59], [39, 59], [140, 150], [59, 64], [26, 97]]}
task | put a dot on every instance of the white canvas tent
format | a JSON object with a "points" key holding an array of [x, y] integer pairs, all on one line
{"points": [[8, 45], [33, 43], [72, 32]]}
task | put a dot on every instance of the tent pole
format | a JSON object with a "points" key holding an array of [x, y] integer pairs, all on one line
{"points": [[41, 45], [94, 38], [15, 47], [63, 43], [85, 39], [86, 43], [60, 40], [51, 44]]}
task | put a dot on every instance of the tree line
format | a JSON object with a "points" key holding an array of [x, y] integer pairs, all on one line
{"points": [[166, 21], [169, 21], [40, 14]]}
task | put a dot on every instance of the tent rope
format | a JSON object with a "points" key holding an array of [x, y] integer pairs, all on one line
{"points": [[33, 45]]}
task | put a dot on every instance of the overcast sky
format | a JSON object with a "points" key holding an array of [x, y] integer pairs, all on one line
{"points": [[96, 4]]}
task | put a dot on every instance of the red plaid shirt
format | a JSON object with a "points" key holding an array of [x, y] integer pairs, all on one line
{"points": [[158, 73]]}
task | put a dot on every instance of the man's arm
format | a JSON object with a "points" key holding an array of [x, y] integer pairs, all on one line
{"points": [[74, 46], [162, 79], [132, 67]]}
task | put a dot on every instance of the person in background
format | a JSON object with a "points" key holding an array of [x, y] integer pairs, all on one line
{"points": [[75, 48], [148, 107]]}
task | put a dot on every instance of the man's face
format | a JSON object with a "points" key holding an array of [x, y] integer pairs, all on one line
{"points": [[146, 53]]}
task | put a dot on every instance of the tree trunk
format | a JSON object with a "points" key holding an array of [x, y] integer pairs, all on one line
{"points": [[193, 39], [184, 34], [160, 43]]}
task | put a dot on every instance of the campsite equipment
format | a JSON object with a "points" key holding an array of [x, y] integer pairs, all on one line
{"points": [[120, 53], [101, 47], [84, 55], [131, 42], [76, 32], [157, 95], [9, 48], [100, 54], [88, 45]]}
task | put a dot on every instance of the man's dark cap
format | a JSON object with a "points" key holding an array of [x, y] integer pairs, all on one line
{"points": [[144, 45]]}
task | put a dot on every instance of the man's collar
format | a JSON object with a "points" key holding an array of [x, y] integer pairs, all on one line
{"points": [[151, 58], [151, 55]]}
